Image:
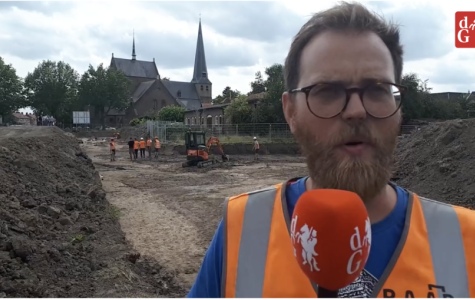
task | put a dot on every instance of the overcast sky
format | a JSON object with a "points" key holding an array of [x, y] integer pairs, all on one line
{"points": [[240, 37]]}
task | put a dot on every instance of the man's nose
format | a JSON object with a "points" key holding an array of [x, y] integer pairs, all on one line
{"points": [[354, 110]]}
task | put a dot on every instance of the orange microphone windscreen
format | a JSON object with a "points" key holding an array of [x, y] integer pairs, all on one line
{"points": [[331, 236]]}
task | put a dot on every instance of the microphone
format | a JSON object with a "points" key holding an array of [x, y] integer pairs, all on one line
{"points": [[331, 238]]}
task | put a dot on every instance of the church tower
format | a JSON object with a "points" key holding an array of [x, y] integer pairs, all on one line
{"points": [[200, 74]]}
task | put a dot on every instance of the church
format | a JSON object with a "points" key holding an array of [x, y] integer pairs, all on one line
{"points": [[149, 92]]}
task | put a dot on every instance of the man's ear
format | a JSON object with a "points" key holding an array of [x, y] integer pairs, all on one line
{"points": [[288, 107]]}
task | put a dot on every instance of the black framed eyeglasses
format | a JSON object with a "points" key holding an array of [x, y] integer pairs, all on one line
{"points": [[327, 100]]}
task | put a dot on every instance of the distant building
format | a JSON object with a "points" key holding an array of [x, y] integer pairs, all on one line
{"points": [[214, 114], [149, 92], [21, 119]]}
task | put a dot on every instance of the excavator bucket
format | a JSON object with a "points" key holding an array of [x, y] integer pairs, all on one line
{"points": [[225, 157]]}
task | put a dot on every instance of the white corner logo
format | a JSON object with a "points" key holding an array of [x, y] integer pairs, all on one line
{"points": [[307, 237]]}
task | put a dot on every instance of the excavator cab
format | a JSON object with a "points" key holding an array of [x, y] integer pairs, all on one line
{"points": [[198, 149]]}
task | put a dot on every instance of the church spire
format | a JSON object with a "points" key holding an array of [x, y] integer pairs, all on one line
{"points": [[133, 46], [200, 73]]}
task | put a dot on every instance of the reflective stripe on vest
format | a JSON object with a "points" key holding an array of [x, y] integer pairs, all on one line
{"points": [[257, 222]]}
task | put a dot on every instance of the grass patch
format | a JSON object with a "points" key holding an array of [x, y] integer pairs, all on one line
{"points": [[114, 212]]}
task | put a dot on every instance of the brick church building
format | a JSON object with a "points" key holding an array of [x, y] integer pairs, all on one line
{"points": [[149, 92]]}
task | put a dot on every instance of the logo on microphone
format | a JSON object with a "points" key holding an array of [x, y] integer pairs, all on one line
{"points": [[307, 237], [357, 244]]}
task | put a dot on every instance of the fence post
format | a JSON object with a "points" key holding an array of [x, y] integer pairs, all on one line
{"points": [[270, 132]]}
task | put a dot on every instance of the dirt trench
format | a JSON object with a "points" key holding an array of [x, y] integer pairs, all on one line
{"points": [[170, 213]]}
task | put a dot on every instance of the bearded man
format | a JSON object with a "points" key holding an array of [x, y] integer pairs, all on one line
{"points": [[342, 103]]}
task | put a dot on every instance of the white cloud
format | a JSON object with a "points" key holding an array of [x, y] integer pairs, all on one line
{"points": [[240, 38]]}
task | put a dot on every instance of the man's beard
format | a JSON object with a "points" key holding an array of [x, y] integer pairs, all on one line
{"points": [[364, 177]]}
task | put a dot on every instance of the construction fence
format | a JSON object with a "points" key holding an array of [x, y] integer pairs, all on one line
{"points": [[169, 132]]}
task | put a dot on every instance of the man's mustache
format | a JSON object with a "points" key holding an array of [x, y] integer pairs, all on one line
{"points": [[359, 132]]}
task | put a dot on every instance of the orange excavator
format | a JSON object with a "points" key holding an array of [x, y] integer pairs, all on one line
{"points": [[198, 151]]}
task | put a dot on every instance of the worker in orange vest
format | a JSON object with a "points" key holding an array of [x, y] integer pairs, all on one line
{"points": [[136, 148], [149, 147], [142, 148], [157, 146], [342, 102], [112, 150]]}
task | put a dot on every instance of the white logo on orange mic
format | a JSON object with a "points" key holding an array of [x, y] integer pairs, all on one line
{"points": [[367, 237], [356, 245], [308, 239]]}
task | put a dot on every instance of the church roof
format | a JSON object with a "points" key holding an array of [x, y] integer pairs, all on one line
{"points": [[188, 96], [136, 68], [142, 89]]}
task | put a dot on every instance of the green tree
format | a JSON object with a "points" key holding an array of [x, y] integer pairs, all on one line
{"points": [[258, 85], [416, 98], [227, 93], [238, 111], [104, 89], [172, 113], [52, 89], [11, 89], [269, 110]]}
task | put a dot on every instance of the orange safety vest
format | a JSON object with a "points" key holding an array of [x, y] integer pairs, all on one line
{"points": [[136, 145], [112, 146], [149, 143], [157, 144], [142, 144], [434, 258]]}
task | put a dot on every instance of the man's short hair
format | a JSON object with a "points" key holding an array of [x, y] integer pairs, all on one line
{"points": [[344, 16]]}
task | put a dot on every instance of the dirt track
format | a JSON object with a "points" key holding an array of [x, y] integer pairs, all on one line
{"points": [[171, 213]]}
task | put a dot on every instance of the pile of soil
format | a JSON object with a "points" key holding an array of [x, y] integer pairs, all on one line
{"points": [[438, 162], [59, 237]]}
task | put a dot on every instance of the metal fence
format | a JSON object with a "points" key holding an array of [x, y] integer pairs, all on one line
{"points": [[174, 132]]}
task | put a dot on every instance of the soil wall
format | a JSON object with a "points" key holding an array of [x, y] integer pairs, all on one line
{"points": [[59, 236], [241, 149]]}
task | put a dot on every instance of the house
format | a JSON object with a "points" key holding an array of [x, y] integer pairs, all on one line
{"points": [[21, 119], [149, 92], [214, 114]]}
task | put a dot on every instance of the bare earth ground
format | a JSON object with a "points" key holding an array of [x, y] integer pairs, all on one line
{"points": [[170, 213]]}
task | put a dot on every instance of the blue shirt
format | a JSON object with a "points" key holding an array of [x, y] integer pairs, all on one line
{"points": [[385, 237]]}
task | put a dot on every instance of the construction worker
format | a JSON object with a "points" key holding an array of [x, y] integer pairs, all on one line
{"points": [[157, 146], [112, 150], [131, 144], [136, 148], [256, 149], [142, 148], [149, 147], [342, 72]]}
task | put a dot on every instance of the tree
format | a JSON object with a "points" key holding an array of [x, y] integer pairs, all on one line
{"points": [[258, 85], [269, 110], [166, 78], [416, 96], [172, 113], [11, 89], [227, 93], [238, 111], [104, 89], [52, 89]]}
